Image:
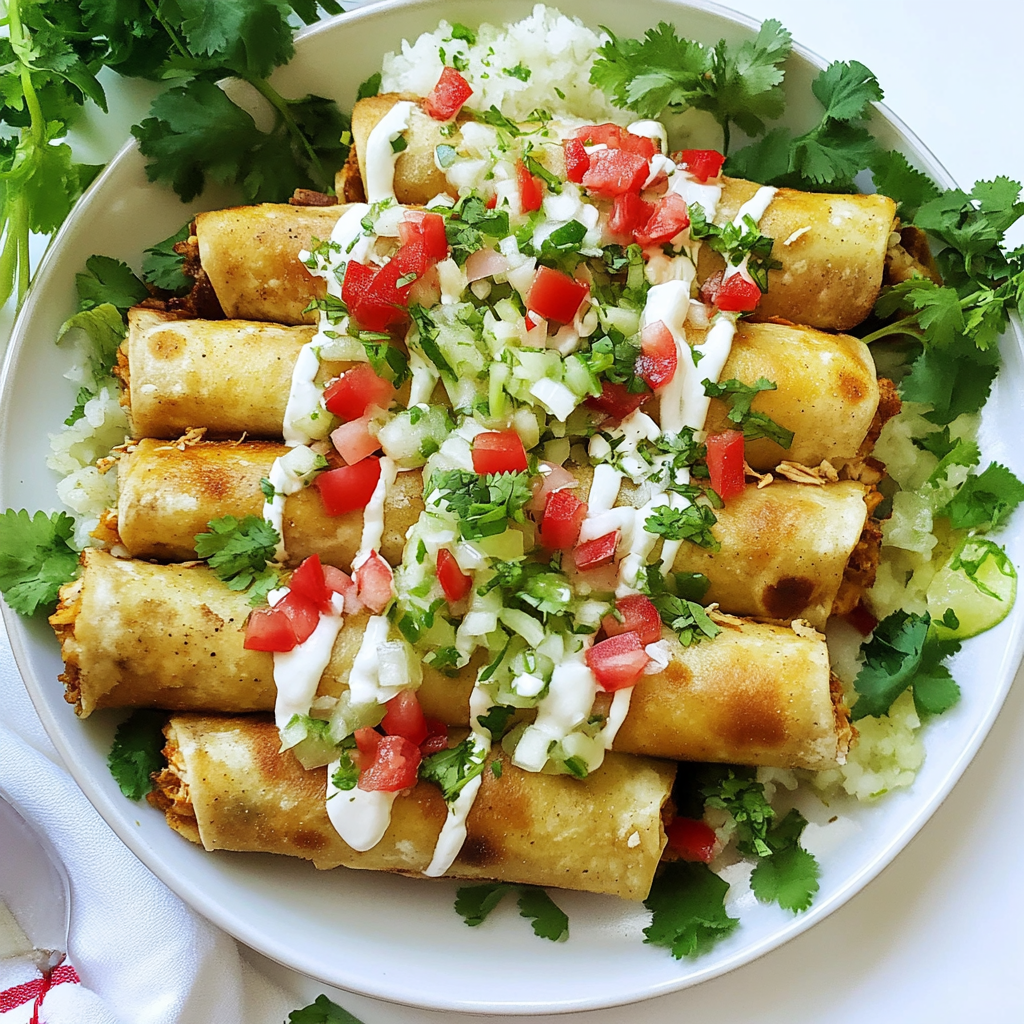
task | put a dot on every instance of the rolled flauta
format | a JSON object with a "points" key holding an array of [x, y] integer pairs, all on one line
{"points": [[134, 634], [228, 787], [832, 247], [233, 377], [784, 549]]}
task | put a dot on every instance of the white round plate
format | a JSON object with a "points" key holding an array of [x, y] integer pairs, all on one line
{"points": [[399, 938]]}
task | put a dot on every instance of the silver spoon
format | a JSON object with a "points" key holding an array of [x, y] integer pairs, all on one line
{"points": [[34, 887]]}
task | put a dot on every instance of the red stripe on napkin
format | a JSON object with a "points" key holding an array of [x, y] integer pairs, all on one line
{"points": [[12, 998]]}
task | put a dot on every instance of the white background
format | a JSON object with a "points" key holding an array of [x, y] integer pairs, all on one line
{"points": [[938, 936]]}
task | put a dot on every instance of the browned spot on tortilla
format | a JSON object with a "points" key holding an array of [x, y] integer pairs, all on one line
{"points": [[787, 598], [677, 674], [851, 386], [479, 851], [164, 344], [755, 718], [308, 839]]}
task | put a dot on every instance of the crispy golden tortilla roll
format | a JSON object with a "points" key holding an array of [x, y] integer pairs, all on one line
{"points": [[228, 787], [233, 377], [832, 247], [784, 548], [168, 493], [134, 634], [250, 254], [827, 392]]}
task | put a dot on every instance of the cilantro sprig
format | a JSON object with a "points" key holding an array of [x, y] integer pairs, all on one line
{"points": [[738, 85], [137, 752], [322, 1011], [474, 904], [238, 552], [485, 505], [37, 558], [687, 902]]}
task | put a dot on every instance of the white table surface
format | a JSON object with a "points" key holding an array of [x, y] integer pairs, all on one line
{"points": [[937, 937]]}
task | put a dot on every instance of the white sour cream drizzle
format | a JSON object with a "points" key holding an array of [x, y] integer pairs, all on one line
{"points": [[297, 672], [364, 683], [303, 397], [361, 818], [373, 514], [288, 475], [380, 156], [567, 706], [754, 208], [453, 831], [670, 303]]}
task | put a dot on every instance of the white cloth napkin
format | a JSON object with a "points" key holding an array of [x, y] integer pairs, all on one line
{"points": [[143, 957]]}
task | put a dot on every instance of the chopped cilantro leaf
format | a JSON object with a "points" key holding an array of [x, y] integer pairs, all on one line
{"points": [[346, 776], [739, 794], [494, 117], [137, 752], [36, 559], [736, 242], [485, 505], [739, 397], [692, 523], [370, 87], [675, 598], [475, 902], [451, 769], [322, 1011], [238, 551], [688, 904], [520, 71]]}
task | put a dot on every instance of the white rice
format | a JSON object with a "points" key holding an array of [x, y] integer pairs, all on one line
{"points": [[558, 51]]}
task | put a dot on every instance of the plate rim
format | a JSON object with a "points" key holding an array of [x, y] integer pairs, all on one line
{"points": [[264, 943]]}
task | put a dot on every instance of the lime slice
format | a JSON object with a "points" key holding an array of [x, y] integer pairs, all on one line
{"points": [[979, 583]]}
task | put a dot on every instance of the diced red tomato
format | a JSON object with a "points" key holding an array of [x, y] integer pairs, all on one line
{"points": [[692, 839], [378, 298], [428, 228], [667, 220], [531, 193], [437, 737], [597, 552], [701, 163], [404, 717], [710, 288], [617, 662], [339, 582], [302, 613], [862, 620], [498, 451], [454, 582], [374, 580], [555, 296], [309, 582], [658, 359], [576, 160], [560, 525], [738, 295], [448, 96], [269, 629], [616, 402], [353, 440], [356, 283], [367, 744], [348, 488], [725, 463], [356, 390], [395, 766], [629, 214], [492, 201], [614, 137], [638, 616], [614, 171]]}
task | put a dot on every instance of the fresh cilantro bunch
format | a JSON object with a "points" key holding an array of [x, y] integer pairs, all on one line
{"points": [[738, 85], [50, 61], [833, 152], [957, 324]]}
